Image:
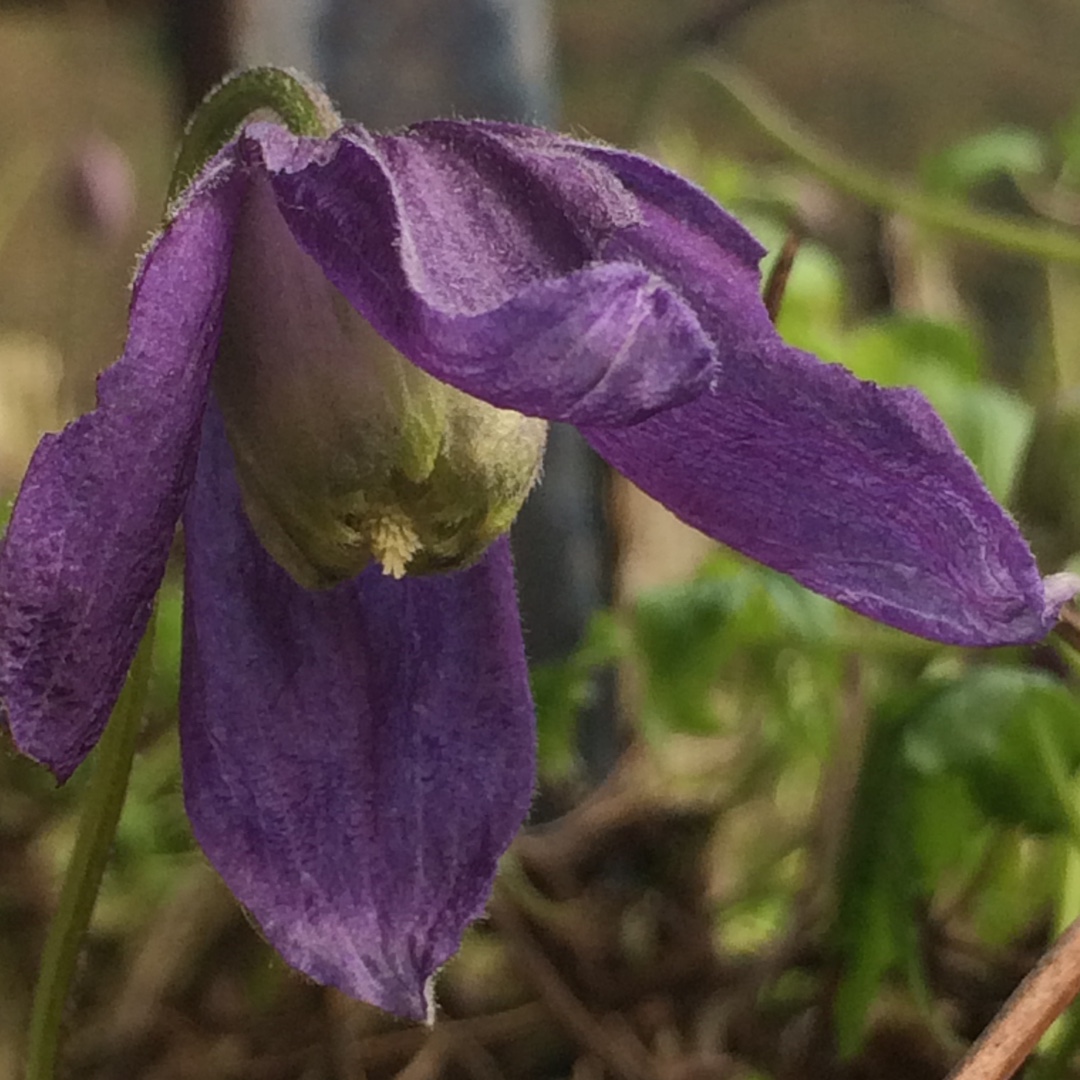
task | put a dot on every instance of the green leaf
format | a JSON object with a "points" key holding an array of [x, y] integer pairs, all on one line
{"points": [[683, 635], [950, 831], [1011, 735], [879, 886], [1016, 889], [1006, 151], [900, 349], [686, 635]]}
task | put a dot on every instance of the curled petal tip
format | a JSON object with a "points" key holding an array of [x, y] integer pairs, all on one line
{"points": [[1059, 589]]}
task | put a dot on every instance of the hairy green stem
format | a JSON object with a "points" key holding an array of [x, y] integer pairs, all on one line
{"points": [[1012, 235], [301, 106], [103, 800]]}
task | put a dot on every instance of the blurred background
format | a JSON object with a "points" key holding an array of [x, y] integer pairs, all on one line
{"points": [[773, 839]]}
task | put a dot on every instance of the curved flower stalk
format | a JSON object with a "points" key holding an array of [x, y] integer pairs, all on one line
{"points": [[341, 352]]}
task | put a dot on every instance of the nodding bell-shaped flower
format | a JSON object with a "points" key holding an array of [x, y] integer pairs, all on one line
{"points": [[341, 463], [343, 351]]}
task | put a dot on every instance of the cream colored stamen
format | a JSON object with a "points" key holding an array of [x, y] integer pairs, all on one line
{"points": [[393, 541]]}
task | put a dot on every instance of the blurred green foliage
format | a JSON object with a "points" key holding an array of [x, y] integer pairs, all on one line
{"points": [[964, 809]]}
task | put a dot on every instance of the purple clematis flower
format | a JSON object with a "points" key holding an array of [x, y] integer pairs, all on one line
{"points": [[338, 348]]}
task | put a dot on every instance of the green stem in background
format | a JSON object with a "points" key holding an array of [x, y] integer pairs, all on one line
{"points": [[1012, 235], [301, 106], [103, 800], [1063, 289]]}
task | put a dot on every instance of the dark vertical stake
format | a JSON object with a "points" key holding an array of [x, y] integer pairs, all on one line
{"points": [[201, 35], [392, 62]]}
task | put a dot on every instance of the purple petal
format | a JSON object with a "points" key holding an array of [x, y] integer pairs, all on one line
{"points": [[700, 249], [356, 760], [90, 533], [483, 257], [858, 492], [687, 207]]}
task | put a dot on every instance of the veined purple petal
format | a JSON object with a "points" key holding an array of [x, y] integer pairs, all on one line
{"points": [[484, 259], [90, 533], [355, 761], [687, 206], [858, 492], [592, 347], [699, 249]]}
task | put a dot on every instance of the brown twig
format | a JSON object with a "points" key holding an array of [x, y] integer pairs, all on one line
{"points": [[562, 1002], [385, 1048], [776, 286], [1036, 1003], [477, 1059], [431, 1059]]}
